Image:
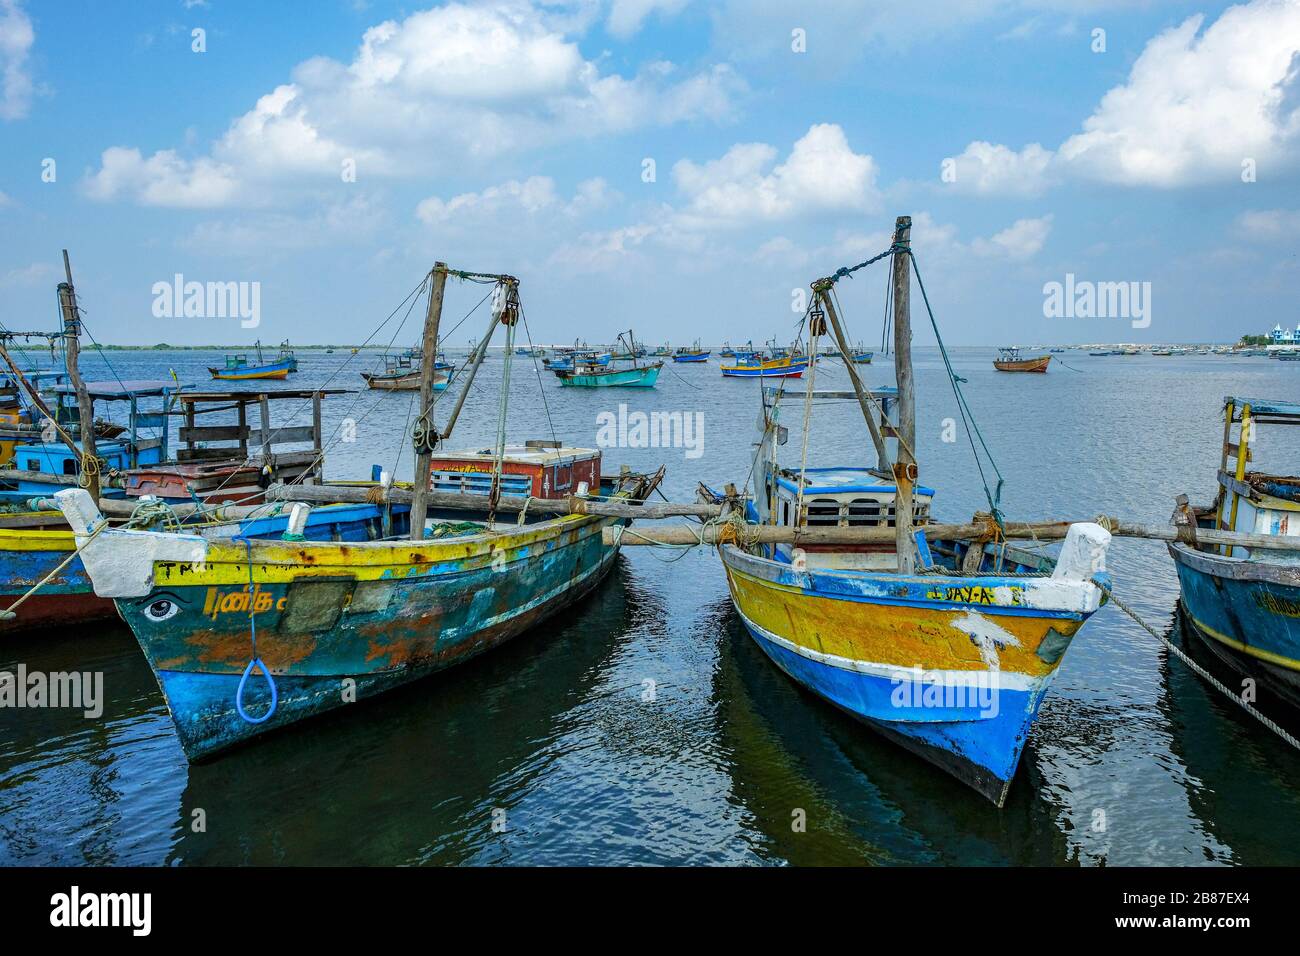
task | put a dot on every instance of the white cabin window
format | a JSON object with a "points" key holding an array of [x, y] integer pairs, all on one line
{"points": [[823, 511], [864, 511]]}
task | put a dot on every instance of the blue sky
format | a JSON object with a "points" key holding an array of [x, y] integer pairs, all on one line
{"points": [[513, 136]]}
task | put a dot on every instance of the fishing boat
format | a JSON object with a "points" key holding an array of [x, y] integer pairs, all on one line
{"points": [[861, 356], [402, 374], [287, 356], [237, 367], [1010, 360], [1162, 352], [695, 354], [664, 351], [766, 368], [946, 646], [249, 635], [595, 375], [1245, 602]]}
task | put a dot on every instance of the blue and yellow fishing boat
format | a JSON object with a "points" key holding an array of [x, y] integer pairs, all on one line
{"points": [[766, 368], [695, 354], [237, 367], [944, 645], [1246, 604]]}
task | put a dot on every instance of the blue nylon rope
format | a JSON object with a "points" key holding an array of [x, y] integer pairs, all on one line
{"points": [[255, 661]]}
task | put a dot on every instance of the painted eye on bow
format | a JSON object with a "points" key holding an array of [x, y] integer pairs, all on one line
{"points": [[161, 609]]}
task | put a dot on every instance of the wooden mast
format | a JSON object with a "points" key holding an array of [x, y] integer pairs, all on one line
{"points": [[429, 358], [905, 470], [72, 353]]}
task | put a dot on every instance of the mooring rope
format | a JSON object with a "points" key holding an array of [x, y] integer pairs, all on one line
{"points": [[1198, 669]]}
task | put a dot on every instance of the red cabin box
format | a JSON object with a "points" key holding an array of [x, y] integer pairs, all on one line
{"points": [[539, 469]]}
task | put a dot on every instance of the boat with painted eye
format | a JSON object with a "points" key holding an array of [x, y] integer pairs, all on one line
{"points": [[247, 635], [1010, 360], [946, 647], [1244, 603]]}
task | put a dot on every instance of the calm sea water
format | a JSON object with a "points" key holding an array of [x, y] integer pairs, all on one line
{"points": [[1133, 761]]}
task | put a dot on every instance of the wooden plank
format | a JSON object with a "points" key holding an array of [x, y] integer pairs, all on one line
{"points": [[1232, 450], [191, 434], [299, 433], [1238, 486]]}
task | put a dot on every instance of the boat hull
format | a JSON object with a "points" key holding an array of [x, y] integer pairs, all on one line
{"points": [[777, 368], [619, 378], [1247, 612], [26, 557], [340, 623], [277, 370], [954, 669], [1024, 365], [701, 357]]}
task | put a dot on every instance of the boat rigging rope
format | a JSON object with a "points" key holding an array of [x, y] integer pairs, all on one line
{"points": [[254, 661], [1198, 669], [967, 416]]}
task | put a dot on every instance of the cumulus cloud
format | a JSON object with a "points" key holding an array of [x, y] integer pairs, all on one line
{"points": [[988, 169], [822, 173], [444, 86], [16, 39], [163, 179], [1195, 106], [1023, 239], [528, 197], [626, 16]]}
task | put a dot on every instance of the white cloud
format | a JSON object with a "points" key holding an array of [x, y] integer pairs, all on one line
{"points": [[626, 16], [164, 179], [34, 274], [988, 169], [16, 39], [1267, 225], [1194, 107], [455, 84], [821, 174], [1023, 239], [534, 195]]}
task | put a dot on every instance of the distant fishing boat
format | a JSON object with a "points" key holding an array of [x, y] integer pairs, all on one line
{"points": [[946, 647], [695, 354], [1162, 352], [1010, 360], [770, 368], [402, 374], [237, 367], [595, 375], [664, 351], [1243, 602], [286, 355], [861, 356]]}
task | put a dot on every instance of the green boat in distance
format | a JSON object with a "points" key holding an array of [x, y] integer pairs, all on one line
{"points": [[596, 376], [593, 375]]}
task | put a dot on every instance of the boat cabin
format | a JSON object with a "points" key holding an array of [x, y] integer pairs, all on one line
{"points": [[142, 440], [541, 469], [1255, 502]]}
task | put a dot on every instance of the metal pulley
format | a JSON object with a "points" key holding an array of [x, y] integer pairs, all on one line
{"points": [[817, 321]]}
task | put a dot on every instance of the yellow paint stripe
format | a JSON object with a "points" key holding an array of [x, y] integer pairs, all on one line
{"points": [[1263, 655], [34, 539]]}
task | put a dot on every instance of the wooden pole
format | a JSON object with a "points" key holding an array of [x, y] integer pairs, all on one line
{"points": [[72, 352], [821, 289], [428, 359], [905, 470]]}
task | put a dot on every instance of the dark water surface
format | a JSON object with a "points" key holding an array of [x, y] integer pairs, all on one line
{"points": [[1134, 760]]}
